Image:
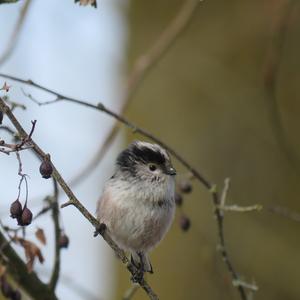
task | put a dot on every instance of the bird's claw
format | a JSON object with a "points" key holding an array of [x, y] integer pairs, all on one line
{"points": [[100, 229], [138, 276]]}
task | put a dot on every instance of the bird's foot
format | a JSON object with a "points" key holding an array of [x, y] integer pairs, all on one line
{"points": [[138, 276], [100, 229]]}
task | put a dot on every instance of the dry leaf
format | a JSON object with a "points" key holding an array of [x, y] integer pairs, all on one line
{"points": [[32, 251], [40, 235], [87, 2]]}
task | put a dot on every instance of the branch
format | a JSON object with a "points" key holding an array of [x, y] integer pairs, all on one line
{"points": [[75, 202], [285, 212], [272, 63], [16, 32], [8, 1], [130, 292], [55, 217], [18, 270], [141, 68]]}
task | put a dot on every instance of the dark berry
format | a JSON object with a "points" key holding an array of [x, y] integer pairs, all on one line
{"points": [[63, 241], [26, 217], [178, 199], [16, 209], [1, 117], [185, 186], [46, 169], [184, 223]]}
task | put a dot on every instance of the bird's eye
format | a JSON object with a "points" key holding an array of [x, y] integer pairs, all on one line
{"points": [[152, 167]]}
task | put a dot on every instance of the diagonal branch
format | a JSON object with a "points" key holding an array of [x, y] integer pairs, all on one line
{"points": [[55, 217], [18, 270], [16, 33]]}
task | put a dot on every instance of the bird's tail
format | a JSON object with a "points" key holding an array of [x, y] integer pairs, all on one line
{"points": [[141, 261]]}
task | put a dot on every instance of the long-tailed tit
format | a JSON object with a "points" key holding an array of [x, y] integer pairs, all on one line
{"points": [[137, 205]]}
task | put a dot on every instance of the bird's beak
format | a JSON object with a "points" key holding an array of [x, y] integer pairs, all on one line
{"points": [[170, 171]]}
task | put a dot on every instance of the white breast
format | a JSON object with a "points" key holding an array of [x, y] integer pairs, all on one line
{"points": [[137, 216]]}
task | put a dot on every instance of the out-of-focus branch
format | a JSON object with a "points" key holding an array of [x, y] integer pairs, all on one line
{"points": [[16, 33], [271, 70], [18, 270], [55, 217], [140, 70], [284, 212], [100, 107], [130, 292], [8, 1], [75, 202], [87, 2]]}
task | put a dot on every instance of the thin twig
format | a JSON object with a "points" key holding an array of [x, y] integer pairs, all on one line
{"points": [[285, 212], [141, 68], [16, 33], [272, 63], [238, 208], [55, 217], [8, 1], [75, 202]]}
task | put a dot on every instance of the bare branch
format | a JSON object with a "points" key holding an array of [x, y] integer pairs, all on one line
{"points": [[272, 63], [285, 212], [238, 208], [16, 32], [18, 270], [8, 1], [55, 217], [130, 292]]}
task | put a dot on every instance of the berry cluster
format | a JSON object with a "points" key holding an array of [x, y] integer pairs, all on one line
{"points": [[23, 215]]}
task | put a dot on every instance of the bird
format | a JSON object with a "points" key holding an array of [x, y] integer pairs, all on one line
{"points": [[137, 205]]}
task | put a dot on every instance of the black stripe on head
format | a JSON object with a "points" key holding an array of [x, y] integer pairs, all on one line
{"points": [[148, 155], [136, 153]]}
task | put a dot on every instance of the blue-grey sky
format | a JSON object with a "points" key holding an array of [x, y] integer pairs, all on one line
{"points": [[77, 51]]}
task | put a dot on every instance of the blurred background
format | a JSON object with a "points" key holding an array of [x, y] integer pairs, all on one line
{"points": [[224, 95]]}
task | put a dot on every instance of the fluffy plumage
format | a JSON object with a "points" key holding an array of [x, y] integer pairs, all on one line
{"points": [[138, 204]]}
